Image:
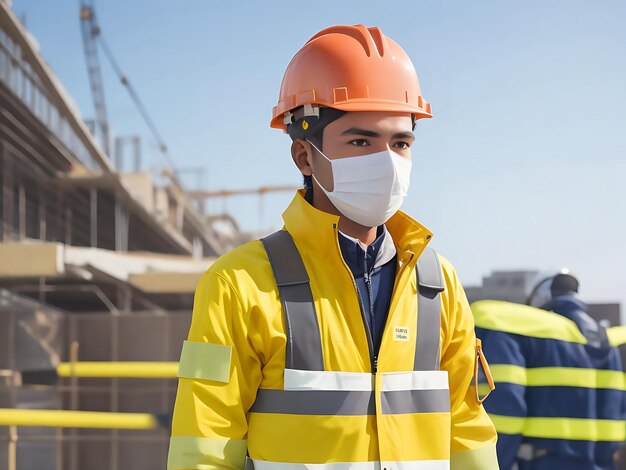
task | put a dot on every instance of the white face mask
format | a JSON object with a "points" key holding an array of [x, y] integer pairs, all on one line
{"points": [[369, 189]]}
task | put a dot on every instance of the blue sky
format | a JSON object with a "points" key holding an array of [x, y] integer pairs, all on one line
{"points": [[523, 166]]}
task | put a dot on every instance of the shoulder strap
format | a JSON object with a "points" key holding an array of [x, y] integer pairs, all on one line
{"points": [[429, 288], [304, 349]]}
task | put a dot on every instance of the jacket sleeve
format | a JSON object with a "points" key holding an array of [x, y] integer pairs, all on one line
{"points": [[507, 404], [473, 436], [219, 374]]}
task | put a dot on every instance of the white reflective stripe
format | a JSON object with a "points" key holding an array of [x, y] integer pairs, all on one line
{"points": [[316, 380], [416, 380], [205, 452], [263, 465], [405, 465], [418, 465], [392, 381]]}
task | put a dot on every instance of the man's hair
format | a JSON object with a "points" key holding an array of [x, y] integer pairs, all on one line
{"points": [[311, 128]]}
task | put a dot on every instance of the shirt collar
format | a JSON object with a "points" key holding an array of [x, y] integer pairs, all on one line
{"points": [[382, 249]]}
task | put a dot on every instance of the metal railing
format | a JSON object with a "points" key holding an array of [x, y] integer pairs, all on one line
{"points": [[67, 422], [94, 409]]}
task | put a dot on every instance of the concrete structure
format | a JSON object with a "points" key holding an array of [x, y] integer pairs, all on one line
{"points": [[95, 265]]}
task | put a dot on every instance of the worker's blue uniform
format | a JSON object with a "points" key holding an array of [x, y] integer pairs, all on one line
{"points": [[559, 402], [374, 277]]}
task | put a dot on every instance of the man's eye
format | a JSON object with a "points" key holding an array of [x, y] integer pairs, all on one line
{"points": [[402, 145], [359, 142]]}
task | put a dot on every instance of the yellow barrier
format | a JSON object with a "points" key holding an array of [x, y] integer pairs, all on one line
{"points": [[139, 370], [76, 419]]}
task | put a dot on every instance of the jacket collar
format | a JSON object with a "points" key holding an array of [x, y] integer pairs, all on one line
{"points": [[316, 231]]}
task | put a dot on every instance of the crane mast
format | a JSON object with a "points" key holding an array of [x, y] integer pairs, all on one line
{"points": [[90, 31]]}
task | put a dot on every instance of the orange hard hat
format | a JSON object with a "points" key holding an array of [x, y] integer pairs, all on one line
{"points": [[350, 68]]}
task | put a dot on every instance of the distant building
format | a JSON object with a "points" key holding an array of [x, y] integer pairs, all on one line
{"points": [[608, 314], [503, 285], [513, 286]]}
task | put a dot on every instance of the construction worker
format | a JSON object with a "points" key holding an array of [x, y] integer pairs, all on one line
{"points": [[617, 338], [306, 349], [559, 401]]}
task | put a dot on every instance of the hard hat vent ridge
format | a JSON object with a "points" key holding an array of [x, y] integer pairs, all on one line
{"points": [[379, 40], [358, 32]]}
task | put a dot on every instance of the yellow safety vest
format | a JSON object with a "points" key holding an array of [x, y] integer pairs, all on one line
{"points": [[289, 382]]}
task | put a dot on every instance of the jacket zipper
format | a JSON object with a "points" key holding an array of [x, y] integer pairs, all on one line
{"points": [[373, 359], [372, 323]]}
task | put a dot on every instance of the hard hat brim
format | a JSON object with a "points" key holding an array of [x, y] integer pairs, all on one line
{"points": [[363, 104]]}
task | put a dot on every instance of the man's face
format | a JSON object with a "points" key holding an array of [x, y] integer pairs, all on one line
{"points": [[361, 133]]}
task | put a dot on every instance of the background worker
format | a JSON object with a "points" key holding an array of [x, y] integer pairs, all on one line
{"points": [[305, 348], [559, 401], [617, 338]]}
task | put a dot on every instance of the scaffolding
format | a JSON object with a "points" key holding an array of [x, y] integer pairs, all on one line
{"points": [[97, 276]]}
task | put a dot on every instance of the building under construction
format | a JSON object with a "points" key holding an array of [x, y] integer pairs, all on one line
{"points": [[96, 266]]}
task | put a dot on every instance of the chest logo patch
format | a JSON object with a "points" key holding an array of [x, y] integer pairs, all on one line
{"points": [[401, 333]]}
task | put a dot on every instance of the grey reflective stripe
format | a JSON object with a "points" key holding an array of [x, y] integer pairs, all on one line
{"points": [[429, 288], [315, 402], [415, 401], [303, 349], [395, 465]]}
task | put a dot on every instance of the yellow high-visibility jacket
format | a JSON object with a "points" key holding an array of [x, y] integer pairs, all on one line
{"points": [[236, 347]]}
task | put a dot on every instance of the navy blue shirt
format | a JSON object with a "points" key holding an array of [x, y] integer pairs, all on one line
{"points": [[374, 285]]}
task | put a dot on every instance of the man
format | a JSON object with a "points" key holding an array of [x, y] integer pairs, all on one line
{"points": [[306, 349], [559, 402], [617, 338]]}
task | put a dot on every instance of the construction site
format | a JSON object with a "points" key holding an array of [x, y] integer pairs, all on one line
{"points": [[99, 260], [91, 259]]}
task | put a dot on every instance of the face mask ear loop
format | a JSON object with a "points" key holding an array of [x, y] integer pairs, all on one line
{"points": [[322, 154]]}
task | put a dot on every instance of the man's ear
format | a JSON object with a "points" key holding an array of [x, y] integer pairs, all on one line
{"points": [[302, 155]]}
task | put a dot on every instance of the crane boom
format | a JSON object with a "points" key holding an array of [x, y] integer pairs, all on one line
{"points": [[200, 195]]}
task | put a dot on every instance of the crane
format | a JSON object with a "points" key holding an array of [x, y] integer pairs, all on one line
{"points": [[90, 31], [201, 195], [92, 36]]}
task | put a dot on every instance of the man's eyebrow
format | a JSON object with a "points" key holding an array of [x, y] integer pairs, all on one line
{"points": [[362, 132], [368, 133], [403, 135]]}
